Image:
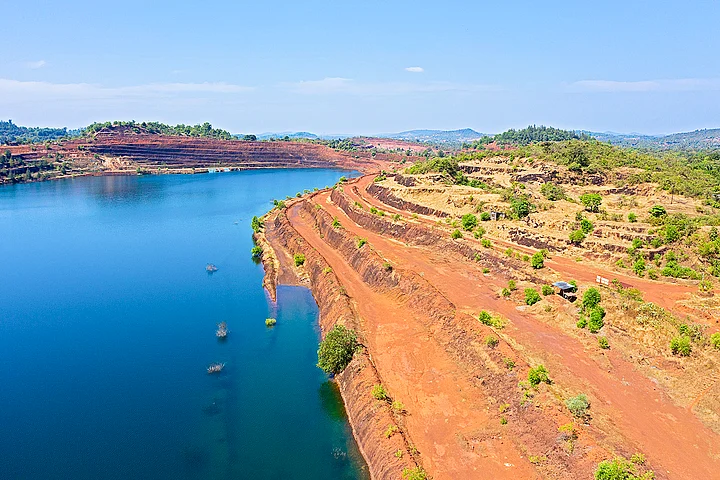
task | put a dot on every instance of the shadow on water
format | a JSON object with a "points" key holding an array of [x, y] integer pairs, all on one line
{"points": [[331, 401]]}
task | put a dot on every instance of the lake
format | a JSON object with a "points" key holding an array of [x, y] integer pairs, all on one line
{"points": [[107, 327]]}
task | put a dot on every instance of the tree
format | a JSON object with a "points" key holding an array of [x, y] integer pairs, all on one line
{"points": [[337, 349], [592, 201], [537, 260], [591, 299], [469, 221], [531, 296]]}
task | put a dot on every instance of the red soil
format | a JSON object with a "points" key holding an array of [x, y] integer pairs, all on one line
{"points": [[445, 405]]}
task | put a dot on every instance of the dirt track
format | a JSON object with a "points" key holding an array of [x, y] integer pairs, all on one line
{"points": [[451, 418]]}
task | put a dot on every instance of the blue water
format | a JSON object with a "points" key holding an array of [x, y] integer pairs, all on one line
{"points": [[107, 324]]}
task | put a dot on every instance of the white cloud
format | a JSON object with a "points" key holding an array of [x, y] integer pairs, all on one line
{"points": [[36, 65], [415, 69], [673, 85], [18, 91], [339, 85]]}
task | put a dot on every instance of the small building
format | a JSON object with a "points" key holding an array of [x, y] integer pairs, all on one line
{"points": [[494, 215], [565, 290]]}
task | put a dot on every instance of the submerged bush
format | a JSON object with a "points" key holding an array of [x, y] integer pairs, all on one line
{"points": [[337, 349], [269, 322]]}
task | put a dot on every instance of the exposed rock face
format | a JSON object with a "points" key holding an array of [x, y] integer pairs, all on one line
{"points": [[177, 152], [386, 196], [368, 417]]}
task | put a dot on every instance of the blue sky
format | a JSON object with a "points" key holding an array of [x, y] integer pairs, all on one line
{"points": [[364, 67]]}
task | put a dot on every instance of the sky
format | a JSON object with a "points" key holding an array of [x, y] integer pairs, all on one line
{"points": [[364, 67]]}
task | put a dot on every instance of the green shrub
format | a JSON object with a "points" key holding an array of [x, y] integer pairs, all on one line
{"points": [[582, 323], [509, 363], [639, 267], [596, 321], [417, 473], [485, 318], [592, 201], [578, 405], [469, 221], [256, 224], [537, 260], [591, 299], [512, 285], [715, 340], [586, 226], [491, 341], [603, 343], [373, 210], [256, 251], [485, 216], [617, 469], [360, 242], [391, 430], [505, 292], [336, 223], [398, 407], [456, 234], [577, 237], [552, 192], [632, 218], [538, 375], [299, 259], [681, 345], [379, 393], [658, 211], [337, 349], [547, 290], [485, 243], [531, 296], [269, 322]]}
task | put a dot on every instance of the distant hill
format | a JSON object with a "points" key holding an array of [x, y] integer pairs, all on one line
{"points": [[707, 139], [269, 135], [454, 137], [9, 132]]}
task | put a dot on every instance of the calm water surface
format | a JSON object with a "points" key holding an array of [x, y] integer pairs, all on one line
{"points": [[107, 324]]}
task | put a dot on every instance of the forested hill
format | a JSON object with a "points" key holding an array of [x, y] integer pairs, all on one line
{"points": [[11, 133], [199, 130], [707, 139], [534, 134]]}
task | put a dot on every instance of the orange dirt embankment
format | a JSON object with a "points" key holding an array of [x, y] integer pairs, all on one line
{"points": [[411, 333], [632, 413], [368, 417]]}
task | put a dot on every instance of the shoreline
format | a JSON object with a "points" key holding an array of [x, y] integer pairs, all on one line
{"points": [[367, 417]]}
